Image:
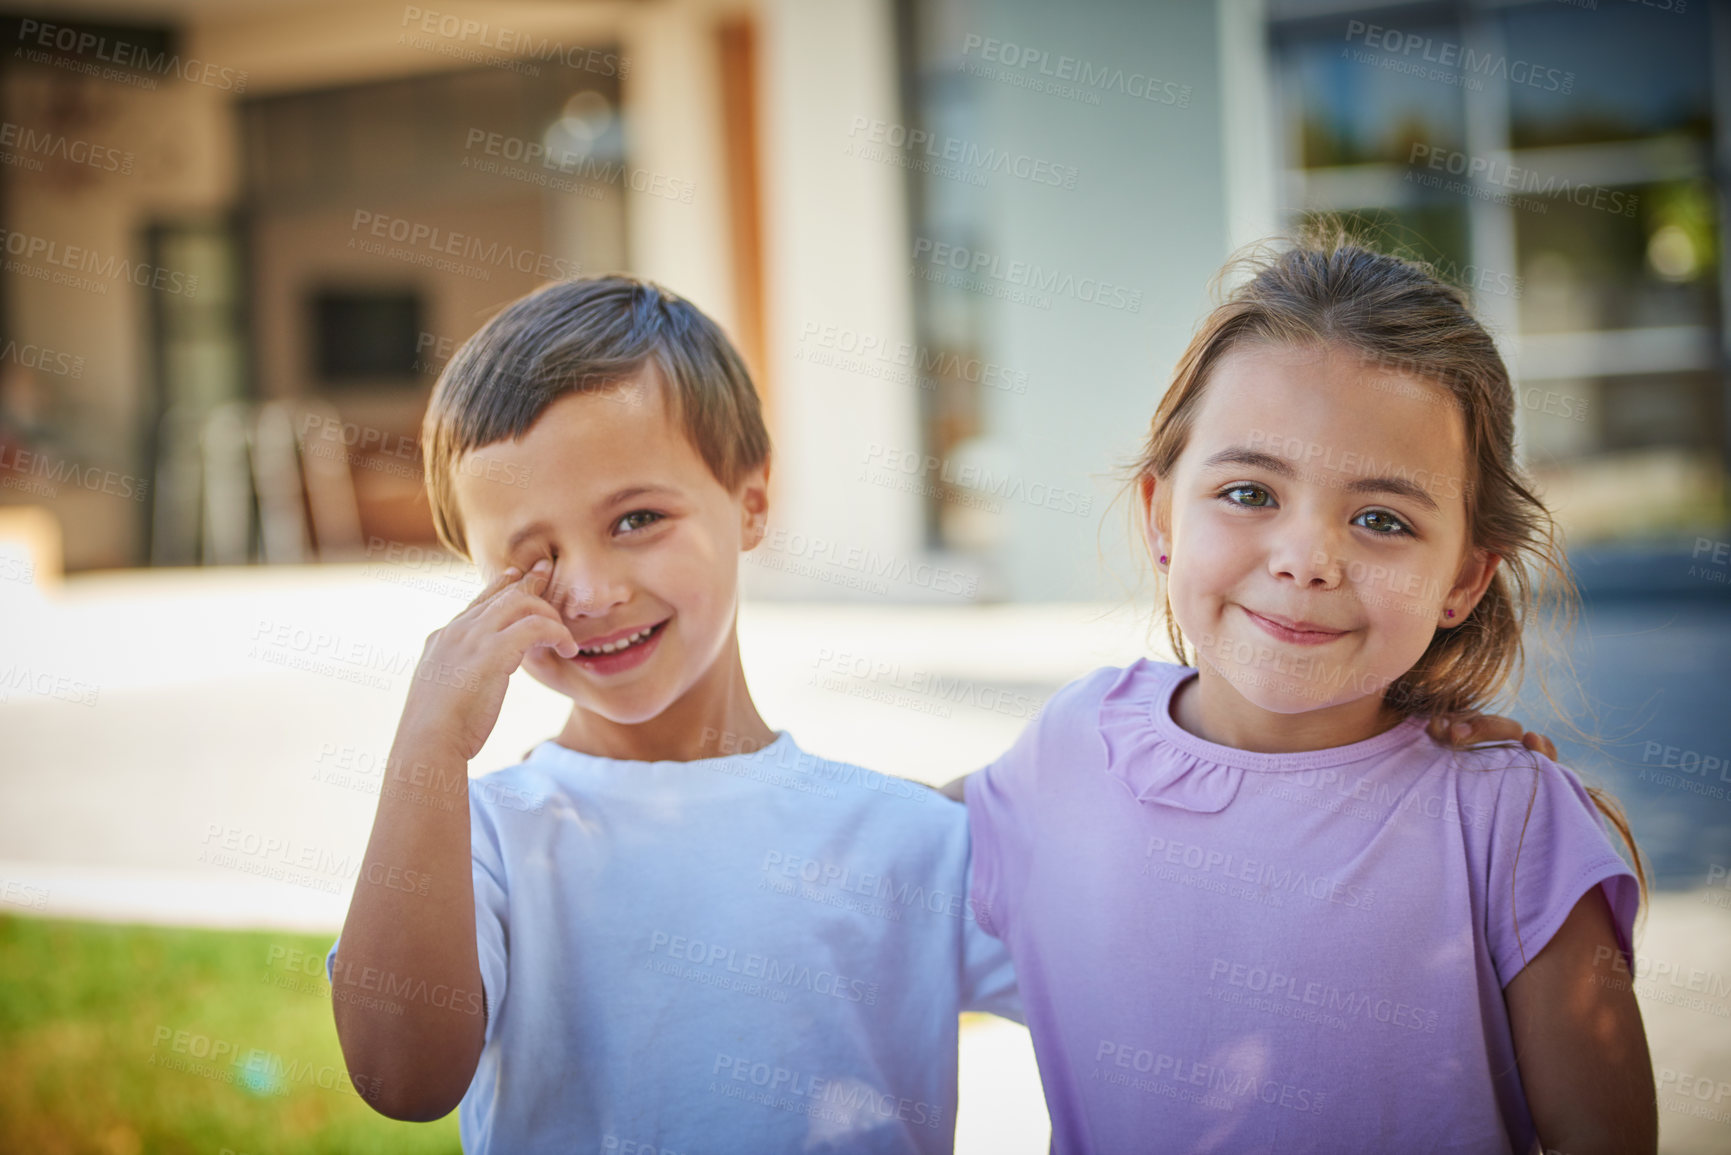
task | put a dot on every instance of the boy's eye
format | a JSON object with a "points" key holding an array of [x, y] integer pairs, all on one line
{"points": [[637, 519], [1381, 521], [1251, 495]]}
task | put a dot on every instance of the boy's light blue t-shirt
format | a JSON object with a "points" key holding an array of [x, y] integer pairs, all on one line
{"points": [[762, 952]]}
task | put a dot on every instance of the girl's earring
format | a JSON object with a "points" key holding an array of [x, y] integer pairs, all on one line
{"points": [[1449, 613], [1162, 559]]}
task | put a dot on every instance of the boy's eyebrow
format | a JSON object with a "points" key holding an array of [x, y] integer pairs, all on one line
{"points": [[1282, 467], [632, 491], [527, 531], [612, 499]]}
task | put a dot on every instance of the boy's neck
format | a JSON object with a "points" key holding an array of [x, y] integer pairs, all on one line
{"points": [[714, 718], [1208, 707]]}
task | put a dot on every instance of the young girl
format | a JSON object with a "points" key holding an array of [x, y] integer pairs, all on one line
{"points": [[1252, 905]]}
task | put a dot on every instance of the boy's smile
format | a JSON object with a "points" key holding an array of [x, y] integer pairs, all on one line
{"points": [[645, 546]]}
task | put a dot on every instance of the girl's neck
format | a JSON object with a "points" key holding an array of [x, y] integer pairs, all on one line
{"points": [[715, 717], [1208, 707]]}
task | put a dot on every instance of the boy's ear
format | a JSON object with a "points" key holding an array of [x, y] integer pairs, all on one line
{"points": [[1470, 585], [754, 507]]}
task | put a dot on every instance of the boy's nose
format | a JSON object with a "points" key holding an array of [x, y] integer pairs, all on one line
{"points": [[585, 591]]}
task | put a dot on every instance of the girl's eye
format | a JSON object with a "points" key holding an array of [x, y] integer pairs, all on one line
{"points": [[637, 519], [1382, 522], [1251, 495]]}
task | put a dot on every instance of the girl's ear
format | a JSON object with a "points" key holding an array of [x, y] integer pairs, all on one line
{"points": [[753, 497], [1154, 515], [1470, 586]]}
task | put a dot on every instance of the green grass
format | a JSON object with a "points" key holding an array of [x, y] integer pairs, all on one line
{"points": [[90, 1013]]}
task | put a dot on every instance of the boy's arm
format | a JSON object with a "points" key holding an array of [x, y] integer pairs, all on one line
{"points": [[1579, 1042], [411, 924], [415, 1065]]}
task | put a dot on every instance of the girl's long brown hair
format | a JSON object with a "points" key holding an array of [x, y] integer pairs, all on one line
{"points": [[1326, 290]]}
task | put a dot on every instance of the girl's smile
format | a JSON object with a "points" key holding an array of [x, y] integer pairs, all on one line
{"points": [[1299, 633]]}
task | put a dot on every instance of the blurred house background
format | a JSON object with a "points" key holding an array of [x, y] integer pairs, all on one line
{"points": [[961, 243]]}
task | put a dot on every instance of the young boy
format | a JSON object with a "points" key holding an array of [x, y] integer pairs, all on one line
{"points": [[669, 929]]}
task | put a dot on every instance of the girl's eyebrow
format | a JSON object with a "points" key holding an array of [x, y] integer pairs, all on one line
{"points": [[1252, 458], [1280, 466]]}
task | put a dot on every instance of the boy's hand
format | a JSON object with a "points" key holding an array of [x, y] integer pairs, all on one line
{"points": [[1472, 729], [460, 682]]}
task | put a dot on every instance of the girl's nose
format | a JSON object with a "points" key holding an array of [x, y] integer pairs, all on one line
{"points": [[1305, 557]]}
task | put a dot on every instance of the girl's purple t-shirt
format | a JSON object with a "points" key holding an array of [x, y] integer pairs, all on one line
{"points": [[1220, 950]]}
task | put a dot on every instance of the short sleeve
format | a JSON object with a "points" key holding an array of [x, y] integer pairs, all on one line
{"points": [[992, 821], [492, 908], [1006, 811], [1547, 849], [988, 977]]}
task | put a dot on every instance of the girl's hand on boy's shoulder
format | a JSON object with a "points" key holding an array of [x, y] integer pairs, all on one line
{"points": [[1475, 729]]}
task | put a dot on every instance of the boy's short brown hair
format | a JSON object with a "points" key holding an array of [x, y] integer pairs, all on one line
{"points": [[588, 336]]}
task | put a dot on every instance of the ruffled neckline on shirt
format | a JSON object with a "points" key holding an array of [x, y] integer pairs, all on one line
{"points": [[1161, 762]]}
